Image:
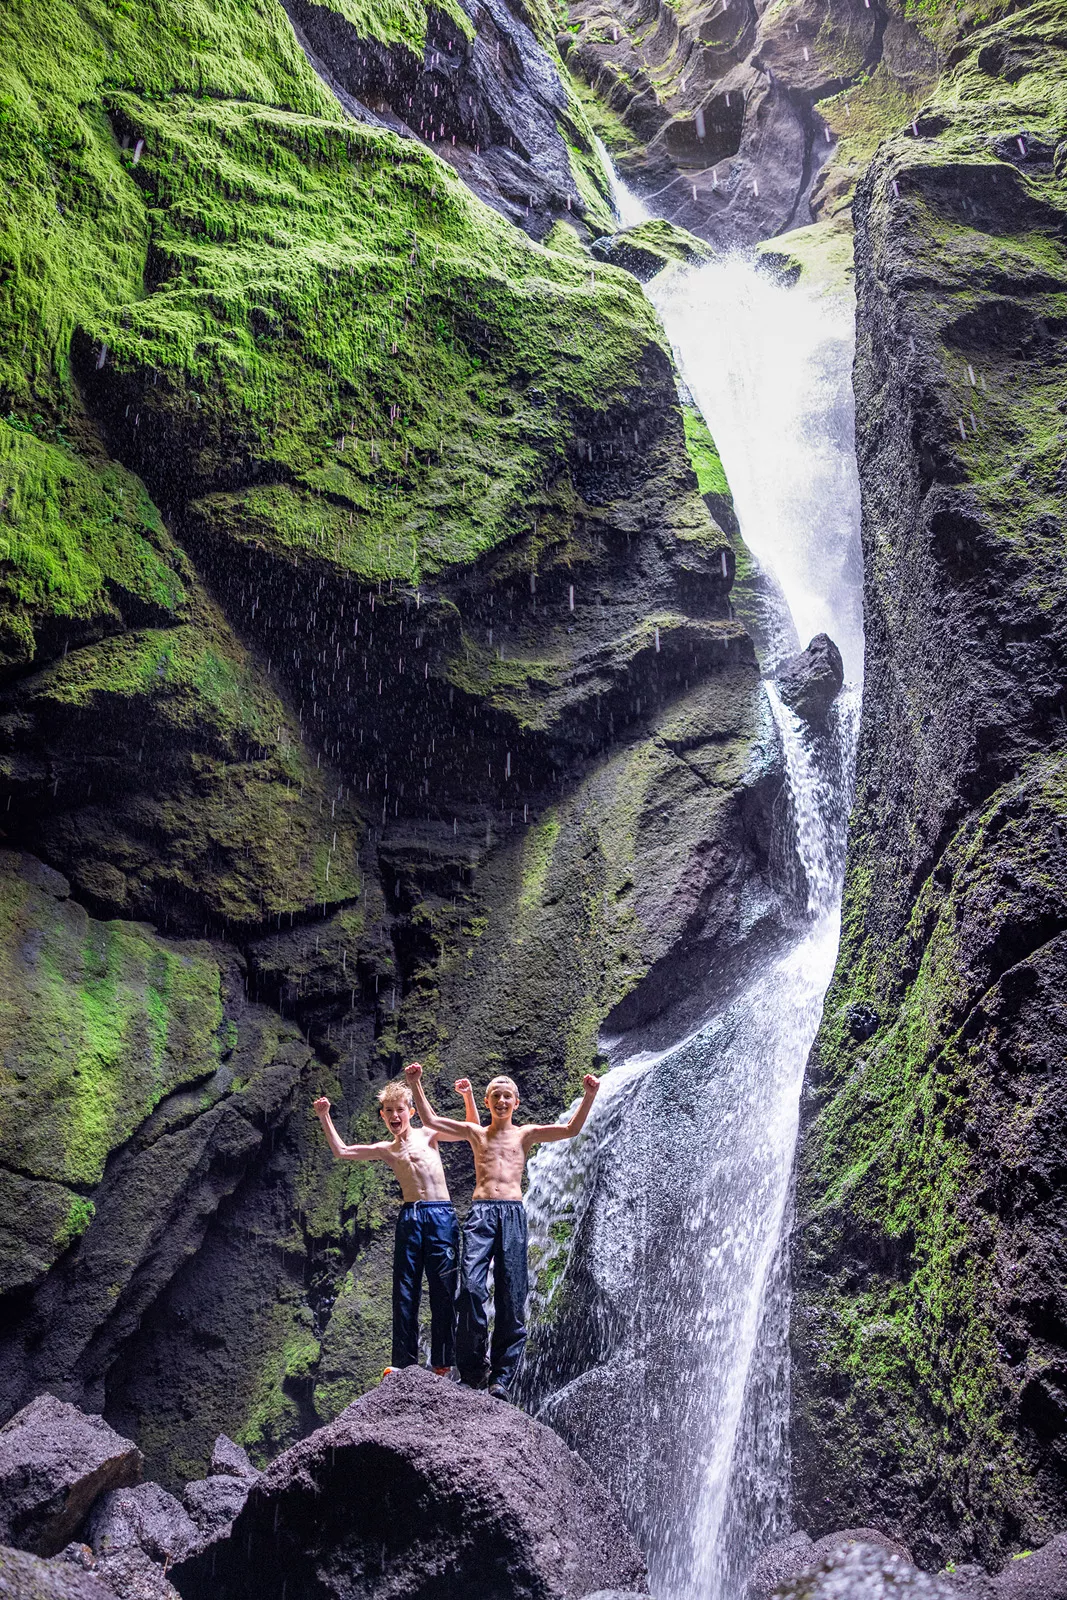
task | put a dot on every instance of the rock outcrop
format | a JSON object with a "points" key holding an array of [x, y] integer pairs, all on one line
{"points": [[27, 1577], [54, 1462], [810, 683], [481, 85], [930, 1320], [420, 1479], [742, 120]]}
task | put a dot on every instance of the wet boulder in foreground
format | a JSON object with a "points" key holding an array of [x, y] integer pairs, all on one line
{"points": [[422, 1488], [26, 1577], [861, 1571], [811, 682], [54, 1462]]}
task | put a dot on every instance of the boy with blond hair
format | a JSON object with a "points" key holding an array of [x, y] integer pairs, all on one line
{"points": [[496, 1228], [427, 1231]]}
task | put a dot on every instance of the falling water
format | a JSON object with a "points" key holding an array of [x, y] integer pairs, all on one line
{"points": [[659, 1237]]}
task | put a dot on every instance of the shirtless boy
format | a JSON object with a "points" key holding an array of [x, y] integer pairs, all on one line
{"points": [[496, 1228], [427, 1230]]}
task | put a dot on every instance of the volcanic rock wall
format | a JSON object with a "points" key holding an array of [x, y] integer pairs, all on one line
{"points": [[370, 689], [930, 1329]]}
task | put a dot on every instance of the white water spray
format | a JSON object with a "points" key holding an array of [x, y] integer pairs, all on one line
{"points": [[661, 1313]]}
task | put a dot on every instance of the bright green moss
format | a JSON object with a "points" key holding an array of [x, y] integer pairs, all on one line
{"points": [[71, 537], [537, 849], [703, 453], [98, 1022], [396, 21]]}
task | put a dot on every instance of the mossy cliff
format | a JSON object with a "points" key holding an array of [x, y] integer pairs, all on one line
{"points": [[741, 121], [369, 683], [930, 1324]]}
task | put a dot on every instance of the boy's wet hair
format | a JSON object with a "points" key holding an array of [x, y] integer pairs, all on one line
{"points": [[508, 1083], [397, 1090]]}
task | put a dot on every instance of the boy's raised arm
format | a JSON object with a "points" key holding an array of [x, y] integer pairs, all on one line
{"points": [[549, 1132], [344, 1152], [470, 1109], [448, 1127]]}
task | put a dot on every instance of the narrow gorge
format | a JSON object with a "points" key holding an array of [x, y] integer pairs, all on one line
{"points": [[520, 528]]}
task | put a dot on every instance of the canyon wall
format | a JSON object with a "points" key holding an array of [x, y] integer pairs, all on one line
{"points": [[930, 1323], [370, 684]]}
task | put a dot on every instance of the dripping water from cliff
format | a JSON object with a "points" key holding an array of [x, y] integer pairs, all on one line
{"points": [[661, 1309]]}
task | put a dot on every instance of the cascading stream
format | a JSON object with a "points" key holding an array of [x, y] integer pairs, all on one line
{"points": [[661, 1312]]}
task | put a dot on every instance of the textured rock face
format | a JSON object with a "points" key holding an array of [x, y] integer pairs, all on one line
{"points": [[420, 1479], [54, 1462], [865, 1572], [728, 114], [483, 88], [369, 688], [811, 682], [930, 1318], [27, 1577]]}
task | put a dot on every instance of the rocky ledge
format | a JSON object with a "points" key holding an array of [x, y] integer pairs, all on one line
{"points": [[422, 1490]]}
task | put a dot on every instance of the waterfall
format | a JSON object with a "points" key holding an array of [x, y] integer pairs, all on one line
{"points": [[659, 1237]]}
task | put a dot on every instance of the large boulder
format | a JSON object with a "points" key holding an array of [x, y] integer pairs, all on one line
{"points": [[780, 1563], [54, 1462], [811, 682], [229, 1460], [863, 1571], [145, 1517], [418, 1479], [1041, 1576], [27, 1577]]}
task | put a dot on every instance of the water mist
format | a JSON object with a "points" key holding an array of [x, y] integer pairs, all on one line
{"points": [[661, 1312]]}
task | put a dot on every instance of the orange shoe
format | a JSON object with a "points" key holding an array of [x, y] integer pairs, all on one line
{"points": [[387, 1372], [443, 1372]]}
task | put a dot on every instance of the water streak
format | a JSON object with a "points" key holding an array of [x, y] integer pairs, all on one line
{"points": [[661, 1308]]}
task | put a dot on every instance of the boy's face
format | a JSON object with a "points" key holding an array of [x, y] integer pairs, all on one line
{"points": [[502, 1101], [396, 1114]]}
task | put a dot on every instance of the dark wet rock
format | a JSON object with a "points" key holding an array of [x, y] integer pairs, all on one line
{"points": [[27, 1577], [214, 1502], [811, 682], [1040, 1576], [144, 1517], [780, 1563], [648, 247], [500, 1500], [863, 1021], [231, 1460], [132, 1574], [616, 1594], [494, 106], [843, 1538], [863, 1571], [732, 141], [54, 1462], [928, 1377]]}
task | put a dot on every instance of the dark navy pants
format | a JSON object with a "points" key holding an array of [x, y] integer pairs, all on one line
{"points": [[427, 1237], [495, 1231]]}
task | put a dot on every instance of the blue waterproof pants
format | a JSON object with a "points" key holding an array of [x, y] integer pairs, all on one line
{"points": [[495, 1231], [427, 1238]]}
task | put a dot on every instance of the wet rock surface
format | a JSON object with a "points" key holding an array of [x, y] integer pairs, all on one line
{"points": [[145, 1517], [54, 1462], [860, 1571], [810, 683], [27, 1577], [490, 101], [728, 115], [928, 1395], [488, 1495]]}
